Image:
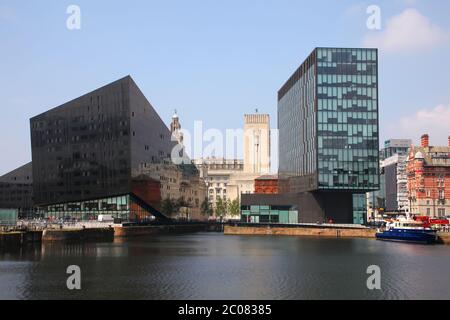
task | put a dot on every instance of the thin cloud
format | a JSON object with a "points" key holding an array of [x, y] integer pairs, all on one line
{"points": [[409, 30], [435, 122]]}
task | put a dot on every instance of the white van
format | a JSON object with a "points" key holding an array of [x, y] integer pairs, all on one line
{"points": [[105, 218]]}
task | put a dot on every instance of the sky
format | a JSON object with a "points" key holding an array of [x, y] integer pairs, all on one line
{"points": [[213, 61]]}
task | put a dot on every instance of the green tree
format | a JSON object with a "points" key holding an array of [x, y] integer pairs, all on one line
{"points": [[206, 208], [167, 207], [234, 208], [221, 207]]}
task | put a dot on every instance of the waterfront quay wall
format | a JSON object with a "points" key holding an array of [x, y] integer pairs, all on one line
{"points": [[301, 231], [444, 238], [137, 231], [102, 234], [95, 233], [10, 239], [17, 238]]}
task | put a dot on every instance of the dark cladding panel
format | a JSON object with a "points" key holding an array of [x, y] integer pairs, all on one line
{"points": [[16, 190], [151, 139], [81, 149], [23, 174], [97, 150]]}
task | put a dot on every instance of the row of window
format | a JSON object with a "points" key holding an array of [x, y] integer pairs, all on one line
{"points": [[345, 117], [348, 181], [351, 105], [346, 55]]}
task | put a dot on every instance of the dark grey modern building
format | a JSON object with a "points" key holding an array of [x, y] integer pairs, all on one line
{"points": [[90, 155], [16, 190], [328, 134]]}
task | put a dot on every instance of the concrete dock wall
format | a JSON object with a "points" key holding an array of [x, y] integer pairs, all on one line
{"points": [[104, 234], [444, 238], [10, 239], [32, 237], [18, 238], [301, 232], [139, 231]]}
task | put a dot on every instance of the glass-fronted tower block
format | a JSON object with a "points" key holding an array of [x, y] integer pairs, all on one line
{"points": [[328, 123]]}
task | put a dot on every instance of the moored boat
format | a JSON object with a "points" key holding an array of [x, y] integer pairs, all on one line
{"points": [[408, 231]]}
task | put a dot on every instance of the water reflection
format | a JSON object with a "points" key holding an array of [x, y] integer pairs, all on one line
{"points": [[213, 266]]}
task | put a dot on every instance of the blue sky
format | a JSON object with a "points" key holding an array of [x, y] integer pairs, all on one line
{"points": [[216, 60]]}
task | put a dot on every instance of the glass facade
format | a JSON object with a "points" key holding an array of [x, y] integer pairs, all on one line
{"points": [[120, 207], [297, 123], [328, 121], [8, 217], [347, 108], [269, 214], [359, 208]]}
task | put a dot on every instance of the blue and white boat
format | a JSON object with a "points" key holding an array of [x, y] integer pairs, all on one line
{"points": [[408, 231]]}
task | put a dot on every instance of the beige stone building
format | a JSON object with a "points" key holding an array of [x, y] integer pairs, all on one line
{"points": [[257, 143], [229, 178], [217, 173]]}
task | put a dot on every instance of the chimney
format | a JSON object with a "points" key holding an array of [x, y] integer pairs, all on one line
{"points": [[425, 141]]}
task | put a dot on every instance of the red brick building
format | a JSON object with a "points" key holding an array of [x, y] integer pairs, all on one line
{"points": [[428, 172], [267, 185]]}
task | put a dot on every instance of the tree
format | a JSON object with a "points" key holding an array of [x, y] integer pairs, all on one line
{"points": [[221, 207], [234, 208], [167, 207], [206, 208]]}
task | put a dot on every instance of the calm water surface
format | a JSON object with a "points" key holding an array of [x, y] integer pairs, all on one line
{"points": [[214, 266]]}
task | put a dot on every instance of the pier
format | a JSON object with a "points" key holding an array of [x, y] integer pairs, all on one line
{"points": [[30, 232], [100, 232], [301, 230]]}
